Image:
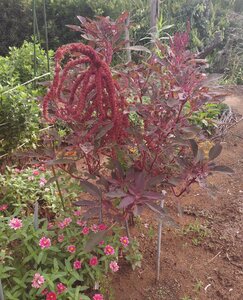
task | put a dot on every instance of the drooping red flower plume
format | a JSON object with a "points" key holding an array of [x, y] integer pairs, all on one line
{"points": [[83, 92]]}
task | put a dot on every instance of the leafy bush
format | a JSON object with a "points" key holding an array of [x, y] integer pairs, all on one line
{"points": [[19, 119], [19, 64], [208, 116], [22, 188], [54, 258], [19, 114]]}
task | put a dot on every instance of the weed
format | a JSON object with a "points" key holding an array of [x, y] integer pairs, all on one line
{"points": [[197, 232]]}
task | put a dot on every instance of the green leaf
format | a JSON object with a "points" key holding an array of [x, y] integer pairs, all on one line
{"points": [[139, 48]]}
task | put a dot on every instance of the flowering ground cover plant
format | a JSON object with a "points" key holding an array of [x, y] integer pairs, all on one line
{"points": [[52, 262], [23, 187]]}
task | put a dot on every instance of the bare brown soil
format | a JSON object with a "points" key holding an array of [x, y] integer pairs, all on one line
{"points": [[204, 263]]}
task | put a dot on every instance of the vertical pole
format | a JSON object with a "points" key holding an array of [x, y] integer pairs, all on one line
{"points": [[46, 36], [154, 14], [34, 32], [159, 245], [127, 38], [36, 215]]}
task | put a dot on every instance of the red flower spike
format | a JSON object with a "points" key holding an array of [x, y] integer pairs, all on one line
{"points": [[83, 90]]}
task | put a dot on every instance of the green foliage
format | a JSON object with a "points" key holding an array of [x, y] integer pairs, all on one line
{"points": [[19, 119], [21, 61], [19, 109], [22, 188], [208, 116], [196, 232], [16, 23], [22, 256]]}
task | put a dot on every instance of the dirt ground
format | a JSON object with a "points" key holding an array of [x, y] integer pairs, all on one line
{"points": [[204, 258]]}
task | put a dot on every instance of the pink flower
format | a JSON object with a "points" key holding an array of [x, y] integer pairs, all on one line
{"points": [[45, 243], [42, 168], [124, 240], [3, 207], [67, 221], [17, 170], [44, 292], [71, 248], [81, 223], [109, 250], [64, 223], [37, 281], [102, 227], [114, 266], [15, 223], [60, 238], [61, 288], [42, 182], [93, 261], [94, 228], [85, 230], [36, 173], [51, 296], [77, 213], [50, 225], [98, 297], [77, 264], [61, 225], [101, 243]]}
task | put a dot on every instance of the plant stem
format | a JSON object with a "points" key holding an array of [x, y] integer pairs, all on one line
{"points": [[1, 291], [36, 219], [159, 245], [58, 187], [127, 229], [101, 212]]}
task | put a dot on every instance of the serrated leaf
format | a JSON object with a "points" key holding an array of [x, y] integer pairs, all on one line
{"points": [[215, 151]]}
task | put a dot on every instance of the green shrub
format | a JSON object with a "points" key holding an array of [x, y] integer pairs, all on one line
{"points": [[208, 116], [19, 108]]}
